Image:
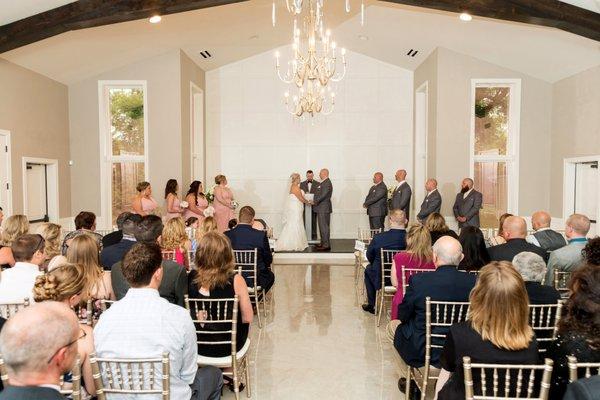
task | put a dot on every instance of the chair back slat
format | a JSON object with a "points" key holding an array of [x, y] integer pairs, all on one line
{"points": [[169, 255], [408, 272], [578, 370], [7, 310], [246, 264], [192, 259], [387, 259], [561, 281], [366, 235], [543, 318]]}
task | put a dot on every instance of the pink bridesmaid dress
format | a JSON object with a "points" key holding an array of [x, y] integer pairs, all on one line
{"points": [[176, 205], [223, 214], [149, 205], [202, 204], [409, 261]]}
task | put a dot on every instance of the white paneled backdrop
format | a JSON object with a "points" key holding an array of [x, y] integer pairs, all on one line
{"points": [[257, 144]]}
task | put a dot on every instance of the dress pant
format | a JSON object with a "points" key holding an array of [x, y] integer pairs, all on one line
{"points": [[207, 384], [313, 223], [324, 220], [377, 222], [371, 284]]}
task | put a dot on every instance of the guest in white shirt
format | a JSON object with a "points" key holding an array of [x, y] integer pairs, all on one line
{"points": [[143, 324], [17, 282]]}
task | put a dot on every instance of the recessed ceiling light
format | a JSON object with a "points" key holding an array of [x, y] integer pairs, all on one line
{"points": [[155, 19], [465, 17], [363, 37]]}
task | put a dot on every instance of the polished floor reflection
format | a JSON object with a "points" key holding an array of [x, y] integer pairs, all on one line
{"points": [[318, 343]]}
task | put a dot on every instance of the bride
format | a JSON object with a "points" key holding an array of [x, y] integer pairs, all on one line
{"points": [[293, 235]]}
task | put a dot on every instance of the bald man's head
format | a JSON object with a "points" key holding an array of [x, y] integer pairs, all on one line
{"points": [[400, 175], [447, 251], [430, 184], [540, 220], [324, 174], [377, 177], [514, 228]]}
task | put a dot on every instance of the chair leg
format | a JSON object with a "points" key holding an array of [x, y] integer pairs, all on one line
{"points": [[265, 302], [247, 372], [236, 381], [256, 304], [380, 311], [407, 393]]}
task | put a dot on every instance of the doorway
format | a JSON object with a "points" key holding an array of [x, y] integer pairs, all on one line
{"points": [[421, 111], [582, 189], [5, 173], [197, 132], [40, 189]]}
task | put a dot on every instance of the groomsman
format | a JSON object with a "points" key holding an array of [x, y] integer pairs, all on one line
{"points": [[467, 204], [376, 202], [432, 203], [401, 196], [322, 205], [309, 186]]}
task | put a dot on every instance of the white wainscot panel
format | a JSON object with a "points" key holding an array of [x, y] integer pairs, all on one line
{"points": [[325, 129], [232, 131], [289, 159], [325, 157], [395, 128], [257, 161], [232, 164], [392, 95], [360, 95], [395, 157], [260, 95], [257, 128], [352, 195], [359, 161], [288, 130], [360, 128]]}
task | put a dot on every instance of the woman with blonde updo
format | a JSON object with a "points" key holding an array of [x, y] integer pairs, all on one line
{"points": [[83, 250], [223, 203], [143, 203], [67, 284], [174, 238], [52, 235], [12, 228], [209, 224]]}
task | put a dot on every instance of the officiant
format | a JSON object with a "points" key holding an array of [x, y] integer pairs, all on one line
{"points": [[309, 186]]}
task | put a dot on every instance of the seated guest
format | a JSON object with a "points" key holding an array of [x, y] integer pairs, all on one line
{"points": [[85, 223], [215, 278], [39, 345], [14, 226], [192, 222], [174, 238], [583, 389], [533, 269], [84, 251], [436, 223], [173, 285], [17, 282], [499, 238], [67, 284], [591, 251], [446, 283], [115, 237], [52, 235], [232, 224], [543, 236], [244, 237], [515, 230], [473, 244], [110, 255], [394, 239], [418, 254], [209, 224], [578, 329], [569, 257], [259, 224], [143, 325], [496, 331]]}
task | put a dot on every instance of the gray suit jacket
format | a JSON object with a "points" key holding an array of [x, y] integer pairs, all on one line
{"points": [[376, 200], [313, 187], [322, 199], [431, 204], [401, 199], [468, 207]]}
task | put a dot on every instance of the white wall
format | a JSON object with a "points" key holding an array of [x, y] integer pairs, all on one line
{"points": [[257, 144]]}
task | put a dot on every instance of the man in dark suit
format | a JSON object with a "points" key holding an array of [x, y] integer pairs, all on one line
{"points": [[446, 283], [401, 196], [514, 231], [532, 268], [116, 236], [432, 203], [244, 237], [39, 345], [467, 204], [394, 239], [309, 186], [322, 206], [174, 284], [111, 255], [376, 202]]}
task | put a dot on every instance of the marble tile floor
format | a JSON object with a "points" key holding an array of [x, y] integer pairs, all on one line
{"points": [[318, 343]]}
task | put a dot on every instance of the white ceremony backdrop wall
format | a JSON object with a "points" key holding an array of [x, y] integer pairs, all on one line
{"points": [[257, 144]]}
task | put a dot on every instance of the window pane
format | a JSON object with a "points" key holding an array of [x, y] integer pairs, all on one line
{"points": [[127, 121], [491, 120], [125, 177], [491, 180]]}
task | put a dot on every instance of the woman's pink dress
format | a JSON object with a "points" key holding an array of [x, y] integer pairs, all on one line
{"points": [[176, 205], [409, 261], [202, 204], [149, 205], [223, 214]]}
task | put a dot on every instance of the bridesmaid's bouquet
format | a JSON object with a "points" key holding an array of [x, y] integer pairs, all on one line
{"points": [[234, 204], [184, 204], [210, 195], [209, 211], [390, 192]]}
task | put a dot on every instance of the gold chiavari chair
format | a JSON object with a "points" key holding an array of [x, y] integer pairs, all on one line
{"points": [[192, 259], [366, 235], [216, 324], [169, 255], [387, 290], [543, 318], [408, 272], [131, 376], [105, 304], [7, 310], [561, 281], [506, 381], [246, 263], [578, 370], [439, 317]]}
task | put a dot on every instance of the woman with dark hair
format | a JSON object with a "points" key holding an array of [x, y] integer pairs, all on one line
{"points": [[174, 209], [578, 329], [197, 202], [474, 250], [499, 238], [591, 251]]}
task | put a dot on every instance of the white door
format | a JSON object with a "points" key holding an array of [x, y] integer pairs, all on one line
{"points": [[5, 174], [586, 189], [37, 196], [197, 134]]}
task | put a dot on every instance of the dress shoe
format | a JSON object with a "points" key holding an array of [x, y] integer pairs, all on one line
{"points": [[415, 393], [321, 248], [368, 308]]}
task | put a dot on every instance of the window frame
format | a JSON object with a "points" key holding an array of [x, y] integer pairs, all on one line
{"points": [[107, 159]]}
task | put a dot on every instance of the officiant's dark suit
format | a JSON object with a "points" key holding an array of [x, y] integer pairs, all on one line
{"points": [[323, 208], [310, 186]]}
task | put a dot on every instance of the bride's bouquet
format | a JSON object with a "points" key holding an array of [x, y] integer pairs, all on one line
{"points": [[210, 195]]}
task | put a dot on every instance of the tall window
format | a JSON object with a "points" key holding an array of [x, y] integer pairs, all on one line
{"points": [[123, 135], [494, 146]]}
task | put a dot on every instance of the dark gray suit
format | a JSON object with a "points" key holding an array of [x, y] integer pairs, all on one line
{"points": [[323, 208], [401, 199], [30, 393], [376, 203], [313, 217], [468, 207], [432, 203]]}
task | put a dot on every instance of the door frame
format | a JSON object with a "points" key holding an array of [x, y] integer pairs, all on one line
{"points": [[194, 91], [421, 133], [52, 190], [569, 186], [8, 208]]}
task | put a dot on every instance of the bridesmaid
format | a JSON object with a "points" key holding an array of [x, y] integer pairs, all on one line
{"points": [[143, 203], [174, 208], [197, 202], [222, 203]]}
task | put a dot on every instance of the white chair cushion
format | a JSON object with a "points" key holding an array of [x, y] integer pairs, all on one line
{"points": [[251, 289], [390, 290], [223, 362]]}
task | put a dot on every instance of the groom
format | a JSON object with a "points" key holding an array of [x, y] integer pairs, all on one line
{"points": [[322, 206]]}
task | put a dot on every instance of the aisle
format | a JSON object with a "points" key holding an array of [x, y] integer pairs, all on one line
{"points": [[318, 343]]}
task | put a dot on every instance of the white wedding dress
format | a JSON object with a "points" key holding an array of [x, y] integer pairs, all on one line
{"points": [[293, 235]]}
